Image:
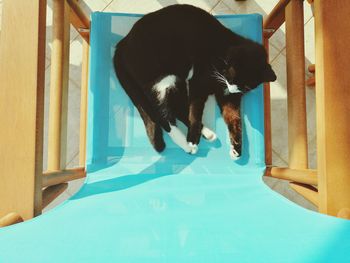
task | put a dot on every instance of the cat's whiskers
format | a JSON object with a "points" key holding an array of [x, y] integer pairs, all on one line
{"points": [[221, 80], [218, 75]]}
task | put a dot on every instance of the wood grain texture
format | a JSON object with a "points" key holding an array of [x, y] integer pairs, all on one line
{"points": [[58, 177], [57, 143], [83, 103], [305, 176], [297, 129], [332, 32], [22, 73]]}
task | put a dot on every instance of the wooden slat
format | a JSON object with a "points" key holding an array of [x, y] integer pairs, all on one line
{"points": [[22, 73], [267, 114], [83, 103], [59, 86], [310, 193], [79, 19], [297, 129], [306, 176], [10, 219], [58, 177], [52, 192], [332, 32], [276, 18]]}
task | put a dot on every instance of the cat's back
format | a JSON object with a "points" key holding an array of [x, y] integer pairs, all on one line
{"points": [[176, 21], [168, 41]]}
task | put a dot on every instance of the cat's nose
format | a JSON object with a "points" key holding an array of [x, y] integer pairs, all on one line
{"points": [[230, 82]]}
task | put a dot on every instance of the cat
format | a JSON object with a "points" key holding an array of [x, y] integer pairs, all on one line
{"points": [[173, 59]]}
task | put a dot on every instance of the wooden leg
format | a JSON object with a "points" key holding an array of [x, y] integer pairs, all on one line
{"points": [[59, 87], [22, 78], [332, 101], [297, 131]]}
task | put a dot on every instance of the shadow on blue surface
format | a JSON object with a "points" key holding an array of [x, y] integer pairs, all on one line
{"points": [[164, 166]]}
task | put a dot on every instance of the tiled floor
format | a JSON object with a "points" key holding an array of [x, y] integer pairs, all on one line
{"points": [[278, 88]]}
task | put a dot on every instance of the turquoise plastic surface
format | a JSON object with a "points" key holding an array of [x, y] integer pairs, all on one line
{"points": [[139, 206]]}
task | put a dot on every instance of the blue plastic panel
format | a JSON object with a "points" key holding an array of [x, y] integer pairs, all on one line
{"points": [[139, 206], [114, 124]]}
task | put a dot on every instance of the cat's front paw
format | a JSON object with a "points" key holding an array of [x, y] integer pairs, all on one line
{"points": [[208, 134], [193, 148], [233, 153]]}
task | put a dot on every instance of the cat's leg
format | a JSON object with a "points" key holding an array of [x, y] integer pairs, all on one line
{"points": [[169, 106], [230, 111], [178, 102], [180, 139], [207, 133], [195, 127], [154, 131]]}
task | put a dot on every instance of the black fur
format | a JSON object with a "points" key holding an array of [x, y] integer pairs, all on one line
{"points": [[171, 41]]}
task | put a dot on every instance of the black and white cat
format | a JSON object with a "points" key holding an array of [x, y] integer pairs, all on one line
{"points": [[173, 59]]}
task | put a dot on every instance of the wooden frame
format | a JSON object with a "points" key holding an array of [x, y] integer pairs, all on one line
{"points": [[26, 189], [23, 49], [22, 73], [332, 97], [332, 100]]}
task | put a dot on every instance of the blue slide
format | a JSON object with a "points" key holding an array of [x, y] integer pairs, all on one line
{"points": [[140, 206]]}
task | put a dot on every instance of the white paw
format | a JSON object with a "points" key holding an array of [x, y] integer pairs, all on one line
{"points": [[193, 147], [233, 153], [208, 134]]}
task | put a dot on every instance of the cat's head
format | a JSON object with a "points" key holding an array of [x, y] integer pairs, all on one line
{"points": [[243, 68]]}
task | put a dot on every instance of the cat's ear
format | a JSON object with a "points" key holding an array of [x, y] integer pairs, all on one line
{"points": [[269, 74]]}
